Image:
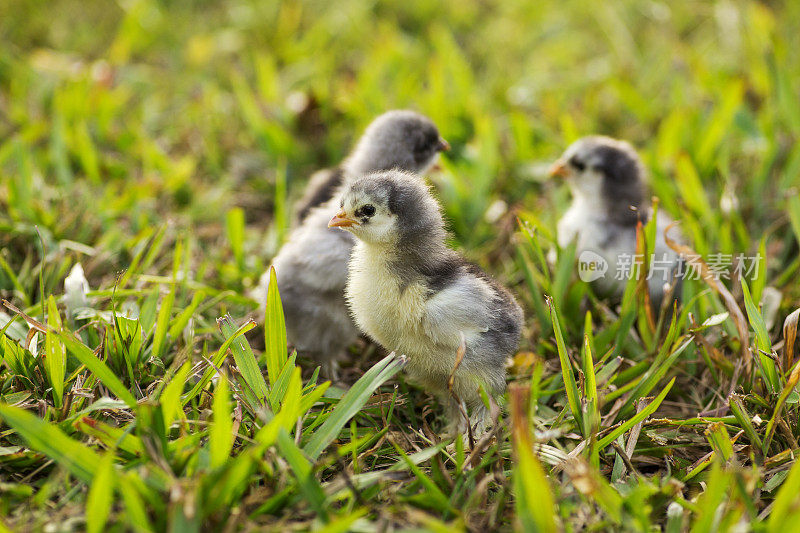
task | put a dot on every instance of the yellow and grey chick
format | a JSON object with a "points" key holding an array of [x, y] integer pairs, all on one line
{"points": [[607, 182], [412, 294]]}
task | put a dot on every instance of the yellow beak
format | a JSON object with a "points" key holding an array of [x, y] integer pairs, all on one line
{"points": [[559, 169], [341, 220]]}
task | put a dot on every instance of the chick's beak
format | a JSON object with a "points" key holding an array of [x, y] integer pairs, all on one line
{"points": [[442, 145], [341, 220], [559, 169]]}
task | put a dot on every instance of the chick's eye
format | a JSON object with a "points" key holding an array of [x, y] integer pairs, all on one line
{"points": [[580, 166], [427, 142], [368, 210]]}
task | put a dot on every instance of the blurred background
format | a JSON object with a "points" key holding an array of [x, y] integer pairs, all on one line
{"points": [[123, 122]]}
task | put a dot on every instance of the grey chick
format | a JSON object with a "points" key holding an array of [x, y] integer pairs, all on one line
{"points": [[397, 139], [311, 267], [606, 179], [412, 294]]}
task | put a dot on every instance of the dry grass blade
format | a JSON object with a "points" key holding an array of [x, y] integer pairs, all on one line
{"points": [[730, 302], [789, 338], [462, 349], [791, 383], [32, 322]]}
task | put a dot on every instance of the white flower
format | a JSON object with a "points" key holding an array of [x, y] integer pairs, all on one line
{"points": [[75, 289]]}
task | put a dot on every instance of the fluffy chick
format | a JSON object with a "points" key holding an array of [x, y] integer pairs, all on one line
{"points": [[412, 294], [311, 267], [397, 139], [607, 182]]}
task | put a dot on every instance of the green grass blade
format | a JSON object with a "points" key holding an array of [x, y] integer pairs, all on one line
{"points": [[97, 367], [590, 383], [791, 383], [279, 387], [180, 321], [638, 417], [566, 369], [291, 409], [743, 418], [234, 227], [565, 269], [313, 397], [709, 501], [55, 360], [309, 486], [135, 509], [46, 438], [217, 361], [274, 330], [534, 498], [591, 409], [162, 322], [437, 499], [133, 267], [720, 441], [220, 439], [785, 512], [101, 494], [245, 359], [794, 214], [596, 488], [224, 490], [351, 403], [763, 344], [170, 398]]}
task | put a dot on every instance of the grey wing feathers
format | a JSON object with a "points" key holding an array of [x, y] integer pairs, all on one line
{"points": [[315, 255], [461, 306], [506, 317], [321, 187]]}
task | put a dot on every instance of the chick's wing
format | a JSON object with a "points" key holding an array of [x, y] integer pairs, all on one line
{"points": [[462, 306]]}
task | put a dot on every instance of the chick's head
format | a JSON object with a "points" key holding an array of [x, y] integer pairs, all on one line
{"points": [[399, 139], [603, 169], [390, 208]]}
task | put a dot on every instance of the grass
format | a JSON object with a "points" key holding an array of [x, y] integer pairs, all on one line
{"points": [[160, 145]]}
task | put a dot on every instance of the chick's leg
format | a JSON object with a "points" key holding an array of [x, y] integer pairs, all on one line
{"points": [[480, 420], [454, 414], [467, 389], [329, 368]]}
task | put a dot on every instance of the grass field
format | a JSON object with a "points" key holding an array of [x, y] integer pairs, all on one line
{"points": [[161, 145]]}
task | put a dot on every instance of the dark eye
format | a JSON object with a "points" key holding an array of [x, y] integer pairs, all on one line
{"points": [[580, 166], [368, 210], [428, 142]]}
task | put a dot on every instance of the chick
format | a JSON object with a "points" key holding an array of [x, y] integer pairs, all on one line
{"points": [[412, 294], [606, 179], [311, 267], [397, 139]]}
